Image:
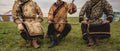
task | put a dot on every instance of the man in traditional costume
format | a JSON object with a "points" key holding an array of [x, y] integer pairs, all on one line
{"points": [[57, 18], [94, 28], [27, 15]]}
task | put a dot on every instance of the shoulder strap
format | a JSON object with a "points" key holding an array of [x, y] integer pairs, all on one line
{"points": [[21, 9], [22, 16], [58, 8]]}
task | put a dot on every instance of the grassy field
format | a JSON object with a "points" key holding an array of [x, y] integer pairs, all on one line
{"points": [[10, 40]]}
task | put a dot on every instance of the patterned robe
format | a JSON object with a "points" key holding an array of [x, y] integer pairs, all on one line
{"points": [[30, 10], [61, 15], [94, 11]]}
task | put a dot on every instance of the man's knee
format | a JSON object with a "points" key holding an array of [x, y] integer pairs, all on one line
{"points": [[67, 29], [51, 29], [68, 26], [107, 25]]}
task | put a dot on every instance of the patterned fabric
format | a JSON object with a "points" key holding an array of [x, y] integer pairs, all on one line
{"points": [[30, 9], [61, 15], [95, 10], [34, 27]]}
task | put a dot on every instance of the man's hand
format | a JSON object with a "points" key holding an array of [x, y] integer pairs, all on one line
{"points": [[105, 21], [18, 21], [84, 22], [49, 22]]}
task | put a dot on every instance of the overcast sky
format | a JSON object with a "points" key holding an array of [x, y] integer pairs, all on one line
{"points": [[6, 5]]}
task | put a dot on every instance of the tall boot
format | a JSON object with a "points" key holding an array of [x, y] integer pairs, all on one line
{"points": [[96, 41], [90, 41], [35, 43], [28, 43], [59, 38], [52, 41]]}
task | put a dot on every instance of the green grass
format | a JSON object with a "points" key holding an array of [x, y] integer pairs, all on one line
{"points": [[10, 40]]}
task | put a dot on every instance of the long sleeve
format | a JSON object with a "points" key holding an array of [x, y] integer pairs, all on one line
{"points": [[108, 11], [50, 14], [15, 11], [38, 10], [82, 12]]}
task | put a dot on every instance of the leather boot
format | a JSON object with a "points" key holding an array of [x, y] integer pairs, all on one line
{"points": [[35, 43], [59, 38], [52, 44], [53, 41], [96, 41], [28, 44], [90, 42]]}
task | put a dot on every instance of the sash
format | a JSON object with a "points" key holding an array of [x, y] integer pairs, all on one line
{"points": [[22, 17], [21, 9], [58, 8]]}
